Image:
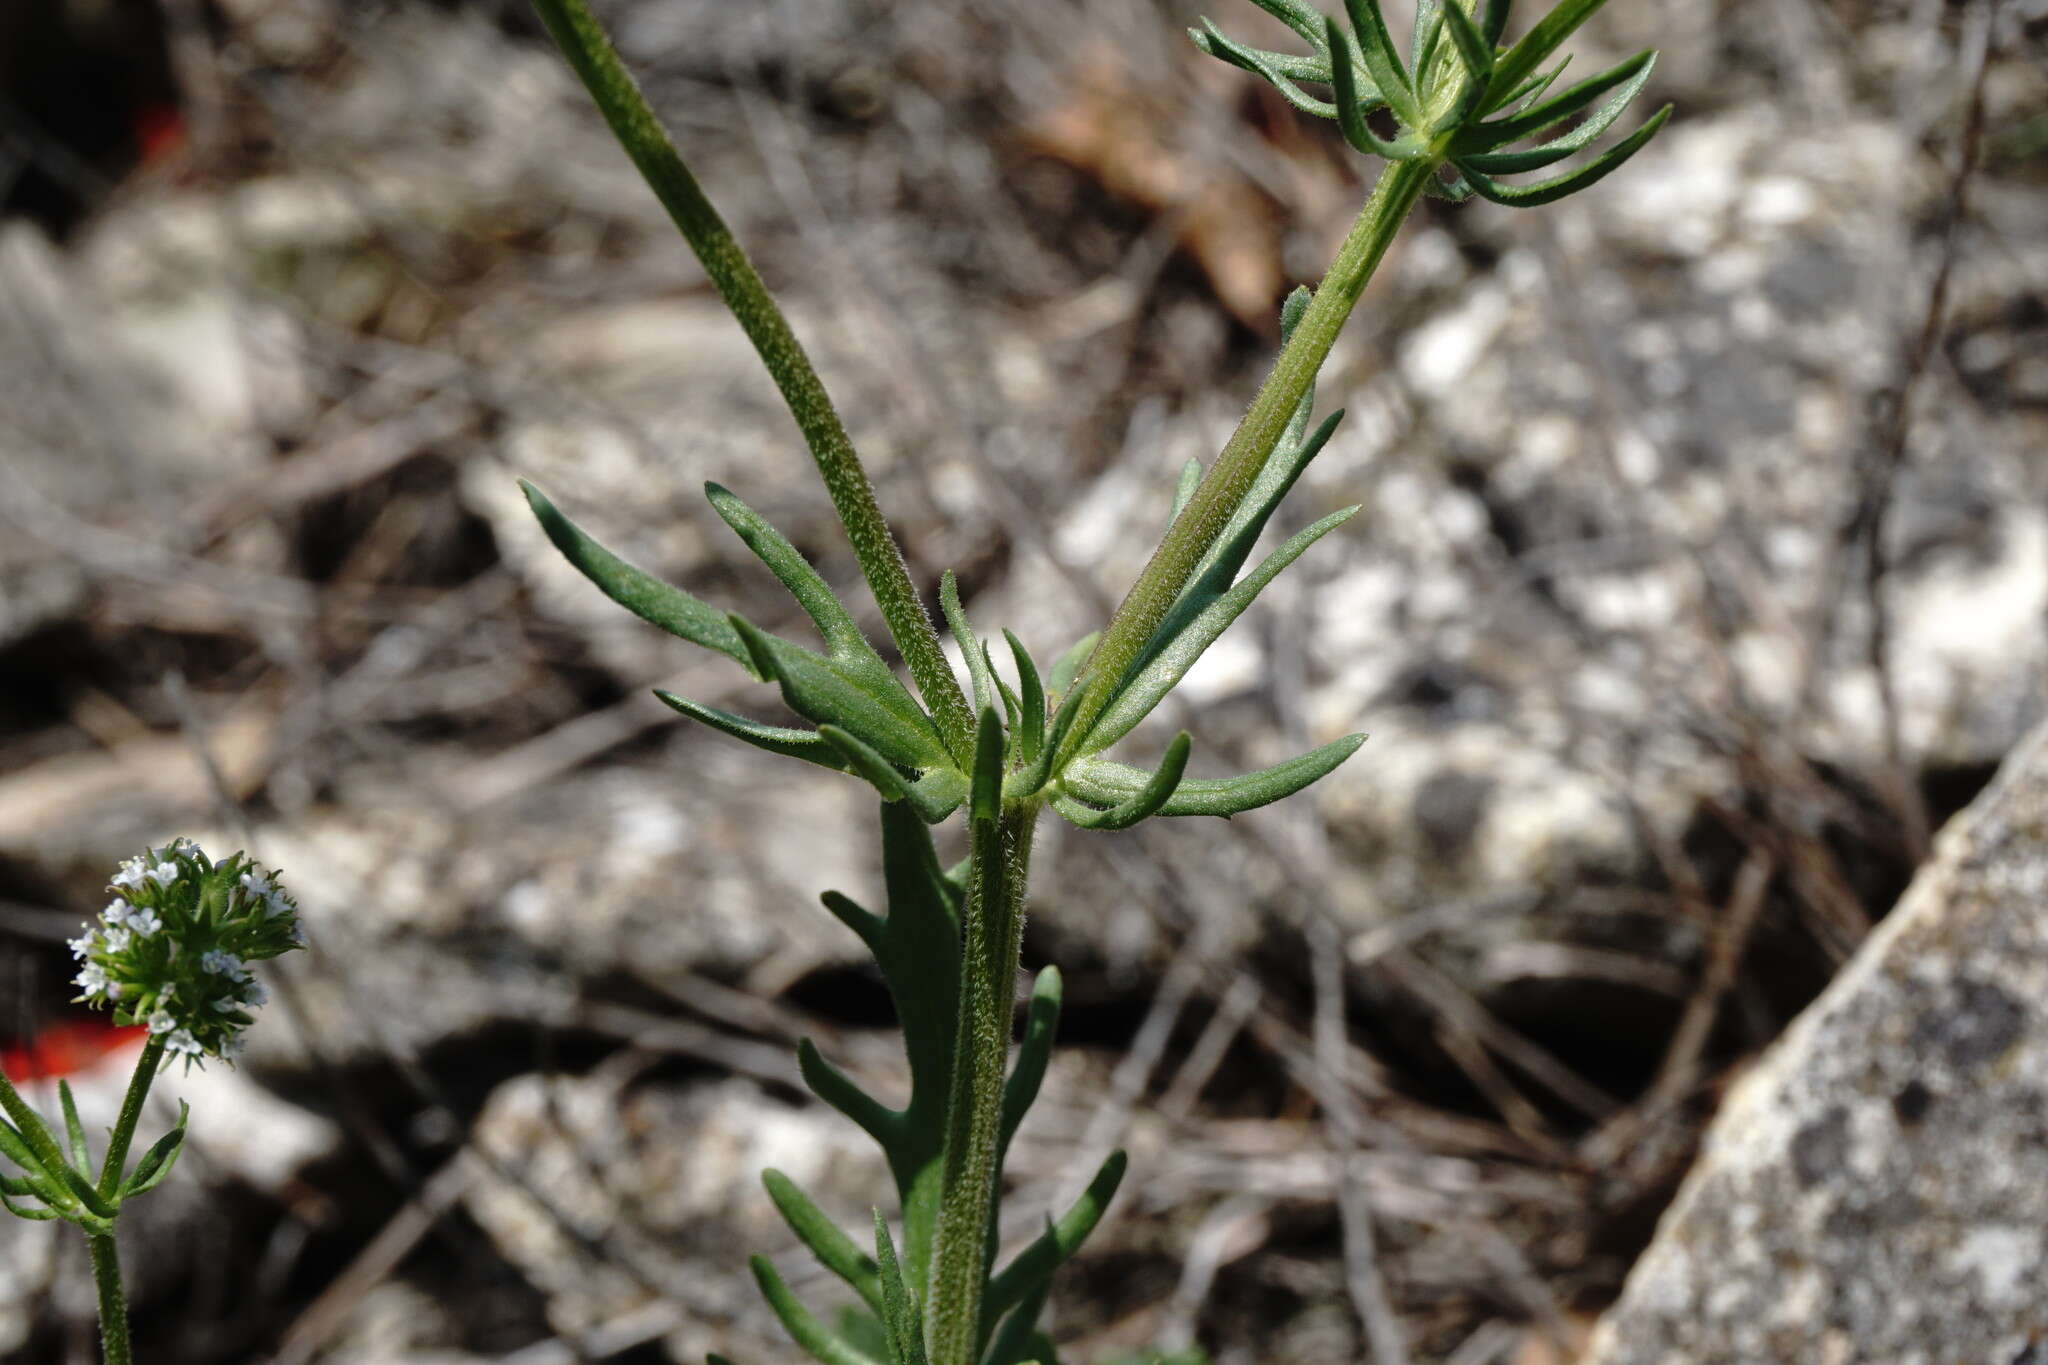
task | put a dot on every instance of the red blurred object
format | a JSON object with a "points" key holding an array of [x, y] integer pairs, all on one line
{"points": [[64, 1048], [159, 130]]}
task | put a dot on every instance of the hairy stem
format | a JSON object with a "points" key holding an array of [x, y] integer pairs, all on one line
{"points": [[131, 1114], [106, 1278], [30, 1125], [590, 52], [1252, 444], [992, 933]]}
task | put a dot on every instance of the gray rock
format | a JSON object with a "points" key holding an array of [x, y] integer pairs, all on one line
{"points": [[1876, 1189]]}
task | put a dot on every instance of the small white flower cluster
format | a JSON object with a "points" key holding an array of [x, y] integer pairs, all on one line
{"points": [[173, 951]]}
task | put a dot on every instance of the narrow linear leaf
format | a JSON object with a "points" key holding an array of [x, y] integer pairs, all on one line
{"points": [[1041, 1023], [1031, 700], [824, 1345], [970, 644], [74, 1131], [864, 760], [1277, 69], [1169, 661], [1148, 800], [1536, 158], [1219, 568], [1429, 22], [1292, 311], [1104, 783], [1190, 479], [934, 796], [638, 591], [33, 1215], [776, 739], [1473, 50], [15, 1148], [836, 1251], [1628, 77], [1035, 1264], [836, 1088], [1496, 21], [835, 624], [1376, 47], [842, 692], [1351, 107], [1013, 705], [1068, 664], [160, 1159], [1548, 191], [899, 1310], [1017, 1340], [868, 925], [94, 1201], [1521, 60]]}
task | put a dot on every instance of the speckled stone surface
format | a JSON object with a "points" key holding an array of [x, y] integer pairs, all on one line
{"points": [[1876, 1190]]}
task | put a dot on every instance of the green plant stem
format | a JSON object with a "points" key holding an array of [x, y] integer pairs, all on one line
{"points": [[1224, 487], [106, 1277], [991, 937], [123, 1136], [618, 96]]}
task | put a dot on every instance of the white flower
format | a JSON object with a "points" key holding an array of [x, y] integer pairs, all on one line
{"points": [[116, 911], [83, 944], [275, 904], [258, 886], [130, 874], [232, 1046], [181, 1040], [224, 964], [161, 1023], [93, 980], [144, 922], [116, 940], [253, 994], [164, 873], [298, 934]]}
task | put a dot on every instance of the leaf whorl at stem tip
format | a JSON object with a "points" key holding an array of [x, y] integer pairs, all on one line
{"points": [[1442, 100]]}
